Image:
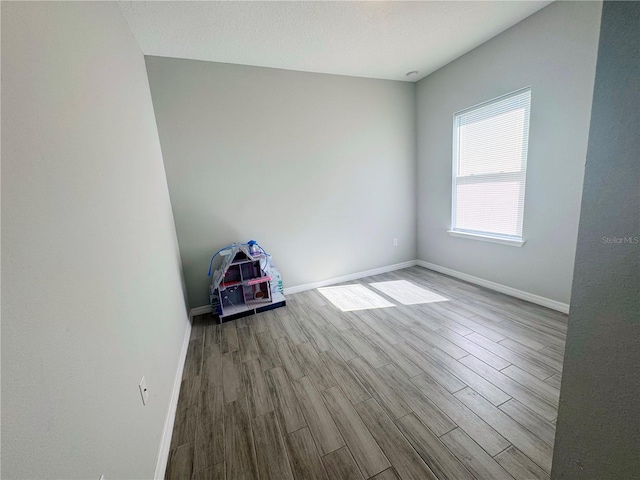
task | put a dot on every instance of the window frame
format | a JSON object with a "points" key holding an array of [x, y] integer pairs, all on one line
{"points": [[511, 240]]}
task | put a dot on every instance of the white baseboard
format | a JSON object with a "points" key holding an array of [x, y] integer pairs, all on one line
{"points": [[351, 276], [165, 441], [199, 311], [529, 297]]}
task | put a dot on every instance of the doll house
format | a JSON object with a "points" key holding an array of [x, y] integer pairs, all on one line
{"points": [[246, 283]]}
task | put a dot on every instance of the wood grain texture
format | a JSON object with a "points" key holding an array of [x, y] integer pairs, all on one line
{"points": [[340, 345], [445, 321], [193, 362], [416, 341], [287, 353], [405, 315], [321, 424], [438, 341], [335, 318], [211, 375], [511, 387], [247, 345], [358, 324], [476, 381], [189, 392], [345, 378], [184, 427], [384, 393], [285, 401], [270, 453], [209, 438], [437, 457], [256, 387], [395, 446], [388, 474], [213, 473], [382, 323], [520, 437], [474, 349], [232, 384], [229, 340], [257, 324], [361, 443], [397, 357], [464, 417], [239, 452], [197, 327], [212, 337], [372, 354], [318, 336], [443, 377], [540, 427], [545, 390], [520, 466], [180, 462], [267, 351], [554, 381], [473, 325], [529, 363], [314, 367], [473, 457], [340, 465], [293, 330], [422, 407], [274, 325], [303, 456], [544, 356], [517, 334], [242, 323]]}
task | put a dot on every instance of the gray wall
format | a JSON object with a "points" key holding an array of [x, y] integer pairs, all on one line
{"points": [[320, 169], [91, 288], [598, 434], [553, 51]]}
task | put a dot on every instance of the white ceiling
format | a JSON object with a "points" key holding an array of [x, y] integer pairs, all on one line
{"points": [[364, 39]]}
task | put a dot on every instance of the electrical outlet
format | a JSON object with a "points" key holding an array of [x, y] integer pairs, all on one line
{"points": [[143, 391], [395, 242]]}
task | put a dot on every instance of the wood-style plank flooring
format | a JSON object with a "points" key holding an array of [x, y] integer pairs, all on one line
{"points": [[462, 389]]}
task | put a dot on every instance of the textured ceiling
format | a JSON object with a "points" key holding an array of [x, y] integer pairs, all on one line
{"points": [[365, 39]]}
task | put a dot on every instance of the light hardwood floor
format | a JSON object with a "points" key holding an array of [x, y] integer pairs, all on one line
{"points": [[462, 389]]}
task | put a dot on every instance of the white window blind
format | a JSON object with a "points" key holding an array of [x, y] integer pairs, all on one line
{"points": [[489, 166]]}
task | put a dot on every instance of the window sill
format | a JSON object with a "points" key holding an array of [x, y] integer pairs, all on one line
{"points": [[487, 238]]}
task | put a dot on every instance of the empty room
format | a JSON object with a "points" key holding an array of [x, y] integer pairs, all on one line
{"points": [[320, 240]]}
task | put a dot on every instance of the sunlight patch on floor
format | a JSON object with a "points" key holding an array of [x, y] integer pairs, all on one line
{"points": [[354, 297], [407, 293]]}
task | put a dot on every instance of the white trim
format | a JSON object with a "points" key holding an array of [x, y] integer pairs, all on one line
{"points": [[494, 100], [165, 441], [199, 311], [351, 276], [529, 297], [487, 238]]}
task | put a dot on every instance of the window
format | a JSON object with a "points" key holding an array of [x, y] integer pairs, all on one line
{"points": [[490, 143]]}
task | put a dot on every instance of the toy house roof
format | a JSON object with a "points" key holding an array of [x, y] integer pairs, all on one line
{"points": [[230, 259]]}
